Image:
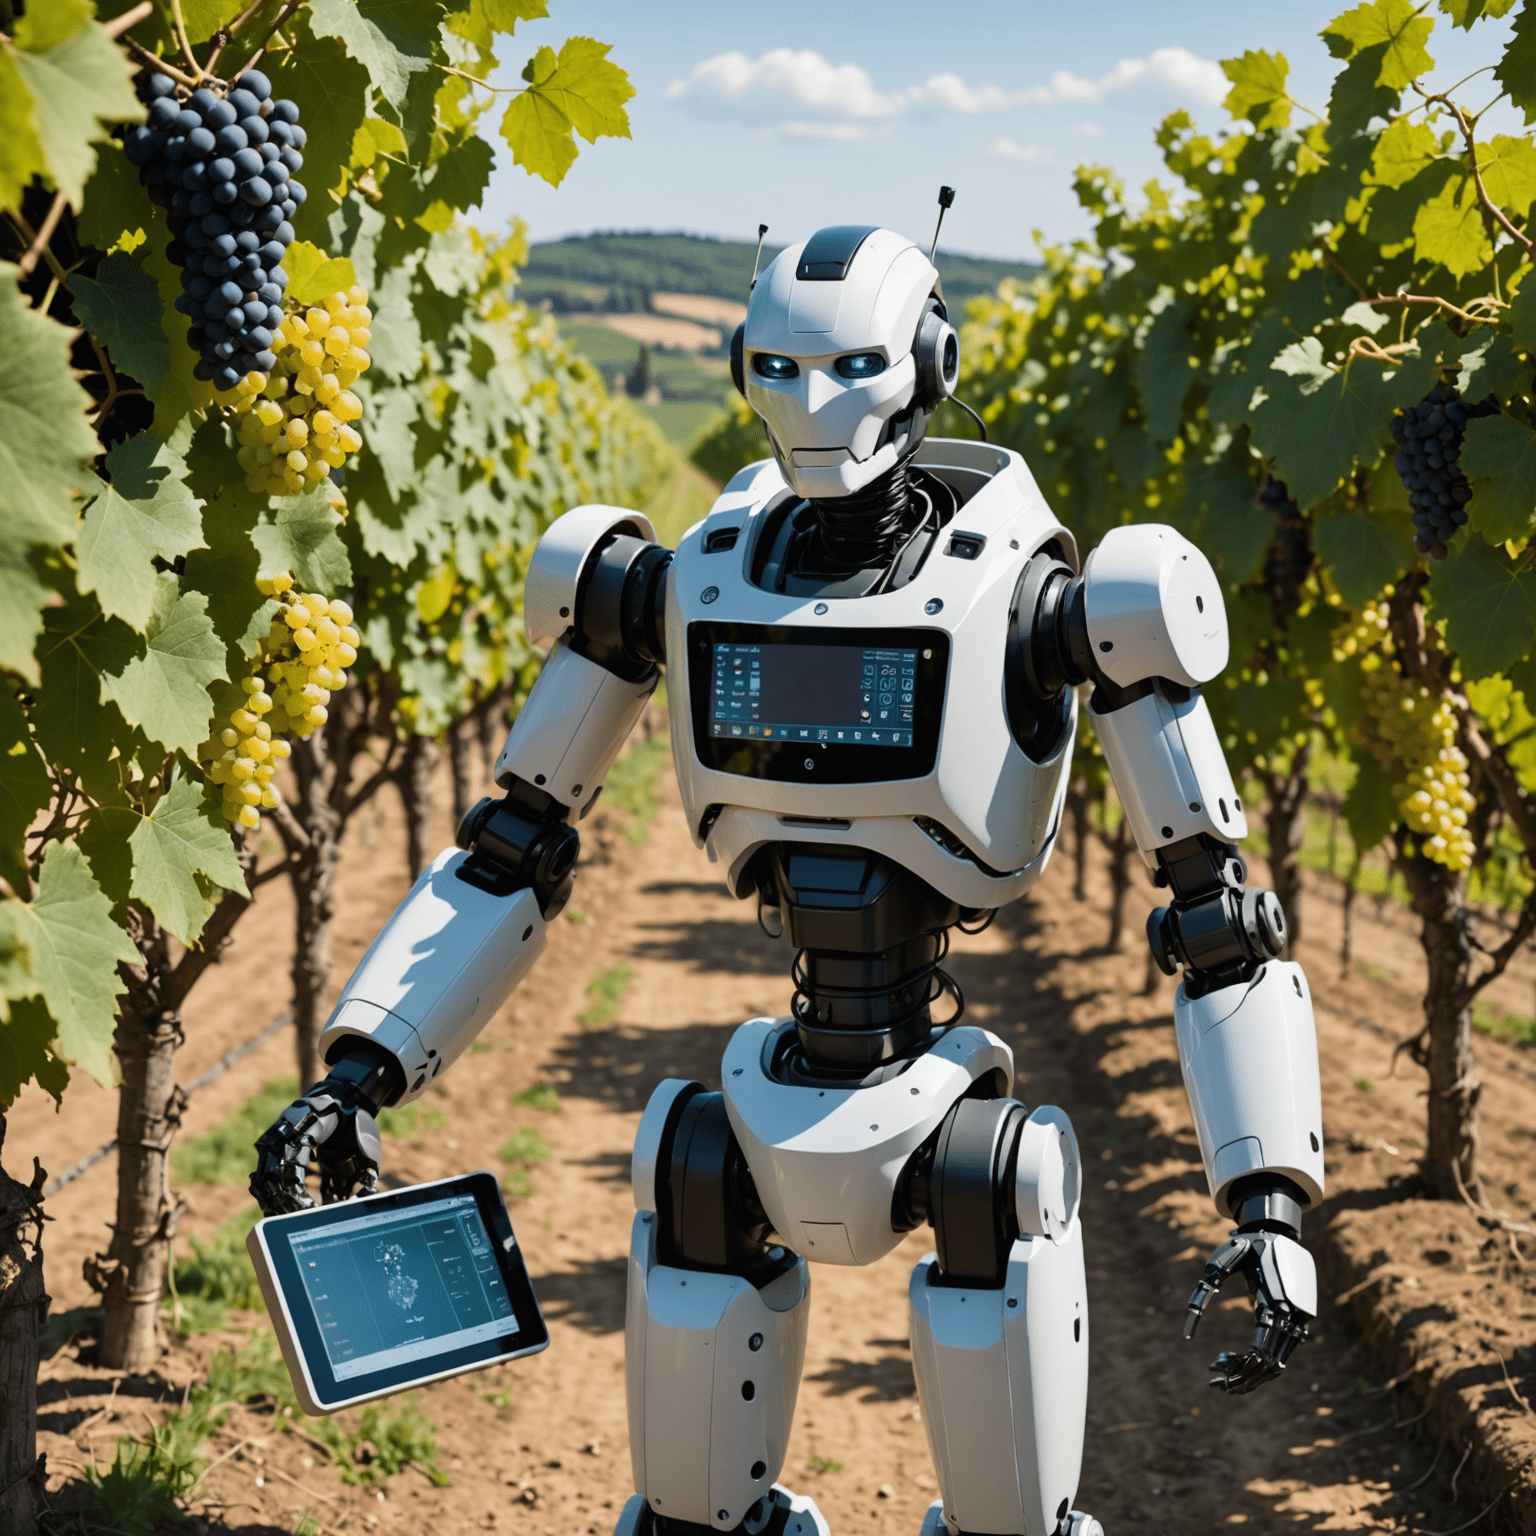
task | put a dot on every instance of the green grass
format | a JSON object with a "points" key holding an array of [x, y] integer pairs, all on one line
{"points": [[215, 1276], [682, 500], [521, 1151], [606, 990], [1516, 1027], [680, 421], [821, 1464], [541, 1097], [631, 786], [227, 1154], [384, 1439], [411, 1120]]}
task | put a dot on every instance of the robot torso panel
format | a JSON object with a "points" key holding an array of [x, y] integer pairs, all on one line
{"points": [[878, 721]]}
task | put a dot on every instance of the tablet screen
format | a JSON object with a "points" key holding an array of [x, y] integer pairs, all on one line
{"points": [[383, 1293]]}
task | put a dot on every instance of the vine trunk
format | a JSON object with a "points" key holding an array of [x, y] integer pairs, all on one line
{"points": [[23, 1310], [1444, 1047], [1285, 800]]}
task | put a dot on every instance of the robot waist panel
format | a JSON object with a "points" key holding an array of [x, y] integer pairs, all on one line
{"points": [[921, 844], [825, 1160]]}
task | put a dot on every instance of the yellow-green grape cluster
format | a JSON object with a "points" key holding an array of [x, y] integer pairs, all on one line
{"points": [[317, 644], [250, 758], [1367, 632], [1417, 734], [294, 427]]}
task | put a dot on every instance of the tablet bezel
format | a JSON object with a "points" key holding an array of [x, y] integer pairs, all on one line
{"points": [[317, 1388]]}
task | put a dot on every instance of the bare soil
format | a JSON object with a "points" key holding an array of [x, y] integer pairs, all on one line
{"points": [[1335, 1445]]}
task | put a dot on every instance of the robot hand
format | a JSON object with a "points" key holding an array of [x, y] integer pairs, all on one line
{"points": [[1282, 1280], [336, 1120]]}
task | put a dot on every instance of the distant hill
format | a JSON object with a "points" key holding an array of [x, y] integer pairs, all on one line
{"points": [[617, 271]]}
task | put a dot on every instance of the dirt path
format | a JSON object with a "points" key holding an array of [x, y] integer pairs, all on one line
{"points": [[1316, 1451]]}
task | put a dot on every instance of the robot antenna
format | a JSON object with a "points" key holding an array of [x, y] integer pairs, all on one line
{"points": [[946, 202], [762, 229]]}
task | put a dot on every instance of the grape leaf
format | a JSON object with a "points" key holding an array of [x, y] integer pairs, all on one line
{"points": [[1464, 12], [1316, 433], [1508, 168], [147, 510], [1361, 554], [204, 17], [76, 725], [391, 39], [183, 837], [332, 92], [181, 392], [375, 136], [313, 276], [299, 535], [396, 333], [75, 82], [45, 442], [116, 210], [461, 177], [1499, 457], [1449, 229], [1516, 71], [581, 91], [1358, 96], [1258, 88], [76, 949], [1394, 26], [25, 789], [1488, 605], [121, 307], [21, 155], [1370, 810], [1403, 149], [225, 572], [1163, 372], [483, 19], [164, 688]]}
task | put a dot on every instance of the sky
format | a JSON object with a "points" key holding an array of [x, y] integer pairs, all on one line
{"points": [[799, 114]]}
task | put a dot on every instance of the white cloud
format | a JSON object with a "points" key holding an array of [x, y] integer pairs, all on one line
{"points": [[801, 94], [1088, 131], [1007, 149]]}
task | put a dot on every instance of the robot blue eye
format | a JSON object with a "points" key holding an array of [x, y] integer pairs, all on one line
{"points": [[769, 365], [862, 365]]}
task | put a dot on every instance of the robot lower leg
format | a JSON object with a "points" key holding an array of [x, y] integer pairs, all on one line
{"points": [[715, 1330], [1000, 1328]]}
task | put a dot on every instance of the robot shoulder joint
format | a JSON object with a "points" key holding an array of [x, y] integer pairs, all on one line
{"points": [[1154, 608], [565, 560]]}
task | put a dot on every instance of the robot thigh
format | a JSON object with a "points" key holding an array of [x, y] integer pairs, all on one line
{"points": [[1002, 1376]]}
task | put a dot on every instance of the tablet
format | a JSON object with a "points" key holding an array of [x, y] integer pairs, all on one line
{"points": [[377, 1295]]}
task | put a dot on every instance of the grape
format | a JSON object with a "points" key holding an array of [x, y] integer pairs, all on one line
{"points": [[289, 692], [205, 159], [1430, 436], [297, 430]]}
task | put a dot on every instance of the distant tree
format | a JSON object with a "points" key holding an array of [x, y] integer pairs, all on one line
{"points": [[639, 379]]}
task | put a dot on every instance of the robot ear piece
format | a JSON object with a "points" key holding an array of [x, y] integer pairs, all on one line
{"points": [[739, 359], [936, 352]]}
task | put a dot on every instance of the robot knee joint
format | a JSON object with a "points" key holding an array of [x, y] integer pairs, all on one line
{"points": [[993, 1173], [690, 1170]]}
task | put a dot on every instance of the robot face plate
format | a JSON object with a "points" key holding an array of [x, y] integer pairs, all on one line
{"points": [[828, 355]]}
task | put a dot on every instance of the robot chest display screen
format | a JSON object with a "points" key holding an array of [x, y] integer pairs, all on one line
{"points": [[814, 693], [833, 706]]}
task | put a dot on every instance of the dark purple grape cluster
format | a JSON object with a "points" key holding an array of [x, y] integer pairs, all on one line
{"points": [[1427, 461], [223, 168], [1290, 556]]}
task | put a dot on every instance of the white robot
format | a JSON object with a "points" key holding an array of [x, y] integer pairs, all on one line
{"points": [[874, 645]]}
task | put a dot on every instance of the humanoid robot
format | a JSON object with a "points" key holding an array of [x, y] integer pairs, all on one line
{"points": [[875, 643]]}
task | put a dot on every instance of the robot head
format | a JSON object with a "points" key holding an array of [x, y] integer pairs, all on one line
{"points": [[845, 353]]}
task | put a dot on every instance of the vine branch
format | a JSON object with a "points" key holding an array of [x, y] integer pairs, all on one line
{"points": [[45, 231]]}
